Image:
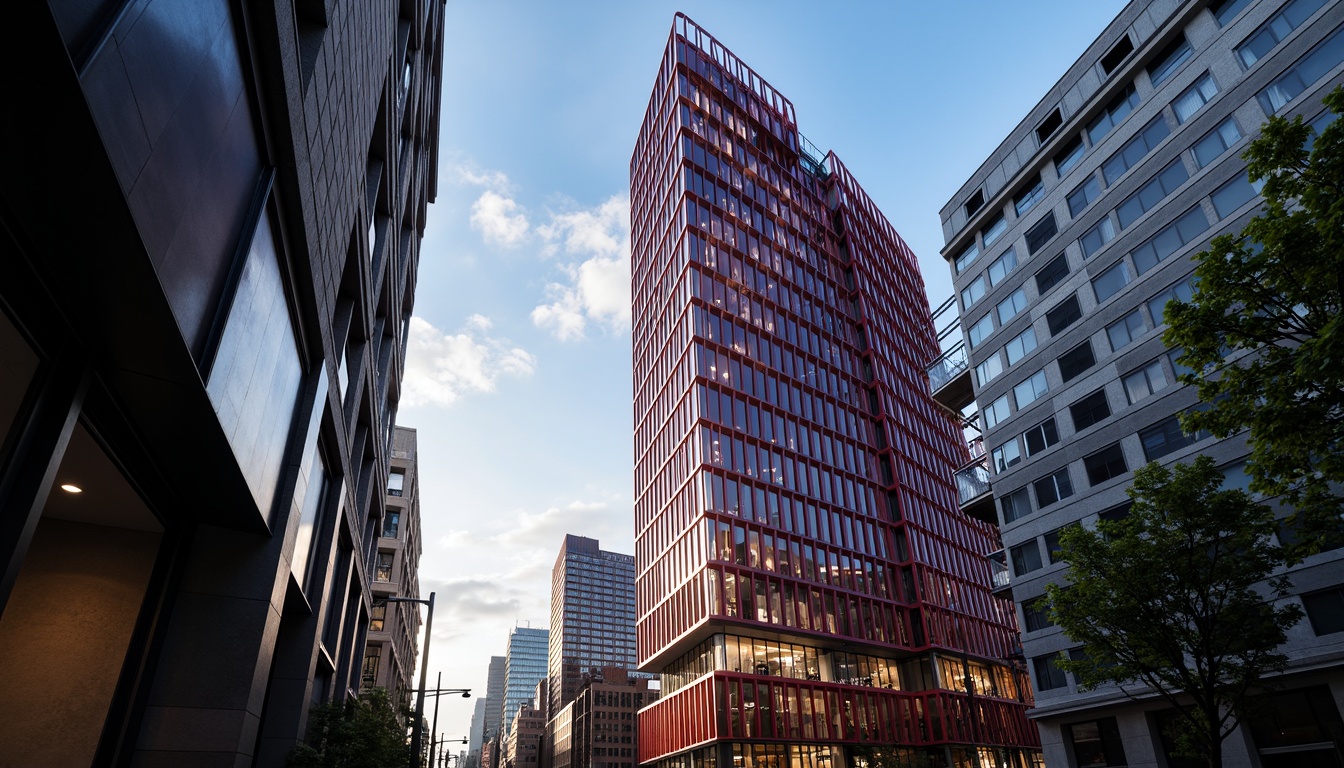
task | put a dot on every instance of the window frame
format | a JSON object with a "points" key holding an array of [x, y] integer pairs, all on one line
{"points": [[1064, 314], [1106, 464], [1090, 402]]}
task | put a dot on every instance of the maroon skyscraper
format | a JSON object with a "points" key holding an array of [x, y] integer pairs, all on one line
{"points": [[805, 582]]}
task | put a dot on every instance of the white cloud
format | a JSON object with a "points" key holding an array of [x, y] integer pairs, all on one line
{"points": [[596, 290], [440, 368], [496, 180], [499, 219]]}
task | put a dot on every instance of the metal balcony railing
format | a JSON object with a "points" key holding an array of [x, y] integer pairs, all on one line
{"points": [[947, 367], [972, 480], [998, 569]]}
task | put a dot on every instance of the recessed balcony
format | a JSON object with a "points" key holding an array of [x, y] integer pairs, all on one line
{"points": [[950, 379], [1000, 583], [974, 492]]}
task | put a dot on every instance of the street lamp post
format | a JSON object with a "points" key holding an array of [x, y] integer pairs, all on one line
{"points": [[417, 728]]}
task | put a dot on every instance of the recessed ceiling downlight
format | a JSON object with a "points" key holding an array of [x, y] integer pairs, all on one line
{"points": [[71, 488]]}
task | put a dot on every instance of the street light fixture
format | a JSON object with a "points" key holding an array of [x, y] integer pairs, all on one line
{"points": [[418, 727]]}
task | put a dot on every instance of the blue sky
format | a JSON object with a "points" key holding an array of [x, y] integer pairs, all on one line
{"points": [[518, 374]]}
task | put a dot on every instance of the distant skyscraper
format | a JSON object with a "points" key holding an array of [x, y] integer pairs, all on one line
{"points": [[494, 696], [592, 616], [476, 736], [807, 586], [524, 667]]}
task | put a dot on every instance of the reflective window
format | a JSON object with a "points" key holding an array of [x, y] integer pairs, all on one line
{"points": [[1100, 234], [383, 567], [1048, 674], [1112, 115], [1167, 437], [1325, 611], [1026, 558], [1169, 60], [1226, 10], [1144, 382], [396, 482], [980, 331], [1125, 330], [1036, 614], [996, 412], [1234, 194], [1272, 32], [1009, 307], [256, 374], [1158, 304], [1310, 68], [1216, 142], [1015, 505], [995, 230], [1031, 389], [973, 292], [1069, 156], [1002, 266], [986, 371], [1052, 549], [1147, 197], [1097, 743], [1083, 195], [1135, 149], [967, 257], [1006, 455], [1030, 195], [1189, 226], [1194, 97], [1020, 345], [377, 615]]}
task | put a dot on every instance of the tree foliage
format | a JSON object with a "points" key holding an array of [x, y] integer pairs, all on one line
{"points": [[1276, 291], [358, 733], [1177, 599]]}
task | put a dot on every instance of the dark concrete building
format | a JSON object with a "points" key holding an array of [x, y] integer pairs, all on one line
{"points": [[211, 219], [1066, 245], [390, 650]]}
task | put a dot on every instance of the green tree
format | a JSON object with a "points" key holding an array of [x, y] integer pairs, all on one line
{"points": [[1177, 599], [1276, 291], [361, 732]]}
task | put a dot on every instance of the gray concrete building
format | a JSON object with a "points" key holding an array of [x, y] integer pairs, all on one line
{"points": [[1065, 245], [210, 225], [390, 650]]}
